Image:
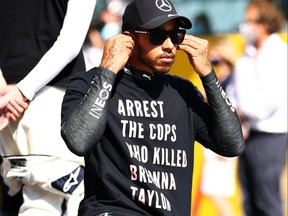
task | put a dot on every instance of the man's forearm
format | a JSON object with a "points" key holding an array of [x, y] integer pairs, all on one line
{"points": [[226, 129], [85, 126]]}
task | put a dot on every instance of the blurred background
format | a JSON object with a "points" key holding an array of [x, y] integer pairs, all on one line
{"points": [[207, 16], [212, 19]]}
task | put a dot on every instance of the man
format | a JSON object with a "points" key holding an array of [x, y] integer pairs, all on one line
{"points": [[136, 125], [261, 98], [40, 48]]}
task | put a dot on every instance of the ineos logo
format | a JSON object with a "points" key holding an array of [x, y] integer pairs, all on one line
{"points": [[163, 5]]}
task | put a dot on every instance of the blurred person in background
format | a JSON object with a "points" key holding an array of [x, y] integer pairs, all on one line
{"points": [[112, 24], [106, 24], [218, 181], [94, 44], [116, 6], [201, 25], [40, 48], [261, 100]]}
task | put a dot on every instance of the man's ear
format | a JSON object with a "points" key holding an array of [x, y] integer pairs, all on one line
{"points": [[127, 33], [130, 34]]}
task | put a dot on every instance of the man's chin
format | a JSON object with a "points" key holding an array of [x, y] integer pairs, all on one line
{"points": [[164, 69]]}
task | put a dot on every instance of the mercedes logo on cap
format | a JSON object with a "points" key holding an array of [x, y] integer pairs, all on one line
{"points": [[163, 5]]}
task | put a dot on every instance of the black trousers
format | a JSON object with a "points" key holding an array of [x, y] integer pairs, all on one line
{"points": [[260, 169]]}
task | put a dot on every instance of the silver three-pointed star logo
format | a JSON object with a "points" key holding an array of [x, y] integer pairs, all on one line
{"points": [[163, 5]]}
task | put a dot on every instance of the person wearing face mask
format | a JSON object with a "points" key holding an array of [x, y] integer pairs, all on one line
{"points": [[93, 44], [106, 24], [260, 84], [112, 24]]}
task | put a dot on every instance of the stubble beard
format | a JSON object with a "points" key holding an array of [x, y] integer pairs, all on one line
{"points": [[152, 63]]}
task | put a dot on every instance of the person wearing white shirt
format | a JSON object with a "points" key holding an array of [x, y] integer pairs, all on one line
{"points": [[260, 88], [40, 49]]}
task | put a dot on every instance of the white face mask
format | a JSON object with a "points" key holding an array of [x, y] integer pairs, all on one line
{"points": [[246, 30], [110, 29]]}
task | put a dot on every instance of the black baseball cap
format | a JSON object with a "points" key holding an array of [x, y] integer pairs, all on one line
{"points": [[150, 14]]}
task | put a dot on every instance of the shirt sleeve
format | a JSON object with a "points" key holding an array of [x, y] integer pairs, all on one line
{"points": [[222, 133], [2, 80], [84, 109], [64, 50]]}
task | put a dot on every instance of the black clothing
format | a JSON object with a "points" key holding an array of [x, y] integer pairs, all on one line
{"points": [[263, 165], [24, 38], [137, 134]]}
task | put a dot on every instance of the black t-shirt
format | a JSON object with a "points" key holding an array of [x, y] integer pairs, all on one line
{"points": [[143, 163]]}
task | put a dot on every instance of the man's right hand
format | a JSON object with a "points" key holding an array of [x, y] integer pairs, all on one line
{"points": [[117, 51], [12, 105]]}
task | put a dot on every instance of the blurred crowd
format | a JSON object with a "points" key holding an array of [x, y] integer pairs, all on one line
{"points": [[260, 98]]}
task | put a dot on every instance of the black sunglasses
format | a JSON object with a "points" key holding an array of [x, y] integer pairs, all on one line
{"points": [[158, 36]]}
